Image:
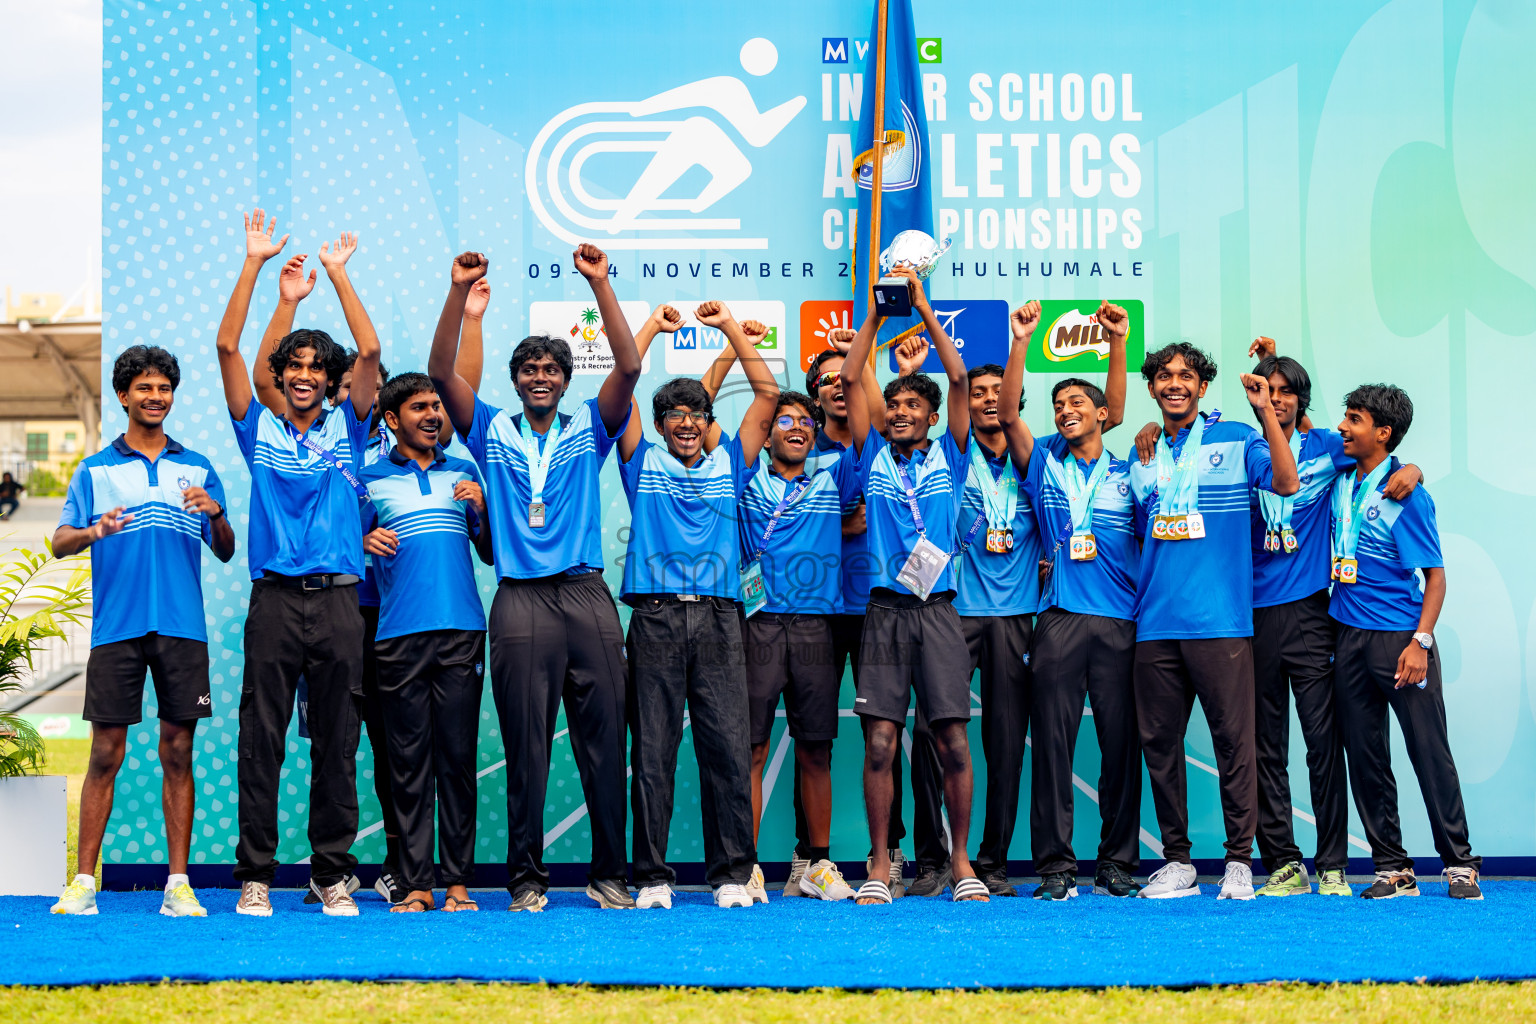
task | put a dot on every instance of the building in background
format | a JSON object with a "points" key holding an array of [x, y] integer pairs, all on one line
{"points": [[50, 385]]}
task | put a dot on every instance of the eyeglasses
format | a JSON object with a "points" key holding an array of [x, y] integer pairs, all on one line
{"points": [[828, 379], [791, 422], [676, 416]]}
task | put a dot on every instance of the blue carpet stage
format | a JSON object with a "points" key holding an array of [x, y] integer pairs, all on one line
{"points": [[915, 943]]}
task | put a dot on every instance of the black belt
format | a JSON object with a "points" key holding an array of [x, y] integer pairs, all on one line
{"points": [[314, 581]]}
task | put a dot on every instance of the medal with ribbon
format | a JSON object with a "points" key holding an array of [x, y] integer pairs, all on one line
{"points": [[1277, 510], [1349, 511], [538, 466], [999, 501], [1178, 486]]}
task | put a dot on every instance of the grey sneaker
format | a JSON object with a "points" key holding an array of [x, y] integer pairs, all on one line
{"points": [[77, 899], [1237, 883], [530, 899], [255, 900], [313, 895], [611, 894], [930, 881], [335, 900], [1171, 881], [798, 866]]}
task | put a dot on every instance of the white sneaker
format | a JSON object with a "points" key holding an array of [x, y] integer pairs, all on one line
{"points": [[654, 896], [824, 881], [756, 887], [798, 866], [1171, 881], [732, 895], [1237, 883]]}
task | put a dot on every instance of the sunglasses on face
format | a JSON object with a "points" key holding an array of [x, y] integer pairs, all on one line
{"points": [[791, 422], [827, 379], [675, 416]]}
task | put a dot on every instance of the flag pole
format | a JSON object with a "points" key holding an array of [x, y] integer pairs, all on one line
{"points": [[872, 229]]}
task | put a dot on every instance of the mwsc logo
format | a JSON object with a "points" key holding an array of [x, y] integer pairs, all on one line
{"points": [[580, 182]]}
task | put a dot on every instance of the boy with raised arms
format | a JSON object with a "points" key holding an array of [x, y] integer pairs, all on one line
{"points": [[306, 558], [1194, 604], [554, 629], [430, 645], [1386, 656], [912, 636], [145, 506], [1085, 636], [683, 576]]}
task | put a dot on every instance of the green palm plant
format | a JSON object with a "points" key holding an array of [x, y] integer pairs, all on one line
{"points": [[34, 576]]}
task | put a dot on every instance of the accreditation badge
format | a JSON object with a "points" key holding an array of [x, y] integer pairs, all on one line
{"points": [[754, 594], [923, 567], [1000, 542], [536, 515], [1194, 525], [1288, 542], [1346, 570], [1083, 547]]}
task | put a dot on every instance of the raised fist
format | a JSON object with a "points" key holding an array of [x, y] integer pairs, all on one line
{"points": [[1025, 319], [1114, 319], [841, 339], [666, 319], [258, 236], [712, 312], [911, 353], [1258, 390], [591, 262], [755, 330], [469, 267]]}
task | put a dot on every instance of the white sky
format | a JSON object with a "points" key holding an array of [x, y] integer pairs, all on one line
{"points": [[50, 144]]}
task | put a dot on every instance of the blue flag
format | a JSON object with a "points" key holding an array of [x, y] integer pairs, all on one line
{"points": [[907, 202]]}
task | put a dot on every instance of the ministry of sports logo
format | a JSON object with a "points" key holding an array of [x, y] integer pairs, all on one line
{"points": [[580, 177]]}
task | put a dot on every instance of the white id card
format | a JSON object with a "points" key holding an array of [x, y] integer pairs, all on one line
{"points": [[753, 593], [1196, 525], [924, 567]]}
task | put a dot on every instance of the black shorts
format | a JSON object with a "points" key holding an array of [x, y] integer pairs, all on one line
{"points": [[114, 680], [908, 645], [791, 655]]}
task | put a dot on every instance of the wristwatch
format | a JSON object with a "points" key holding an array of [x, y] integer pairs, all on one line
{"points": [[1425, 640], [215, 518]]}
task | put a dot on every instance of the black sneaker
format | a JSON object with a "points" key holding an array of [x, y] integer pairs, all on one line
{"points": [[313, 893], [388, 885], [1113, 880], [997, 883], [611, 894], [930, 881], [1390, 884], [1058, 885], [1463, 883], [530, 899]]}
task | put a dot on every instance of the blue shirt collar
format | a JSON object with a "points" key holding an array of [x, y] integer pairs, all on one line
{"points": [[399, 458], [172, 447]]}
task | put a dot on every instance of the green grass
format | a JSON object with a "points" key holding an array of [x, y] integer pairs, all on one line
{"points": [[339, 1002]]}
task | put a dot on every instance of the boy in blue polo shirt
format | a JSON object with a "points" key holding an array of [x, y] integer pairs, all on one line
{"points": [[1194, 603], [912, 636], [682, 576], [554, 629], [431, 653], [306, 558], [1386, 653], [1085, 637], [144, 505]]}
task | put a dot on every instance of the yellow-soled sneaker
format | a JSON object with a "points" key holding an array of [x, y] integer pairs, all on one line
{"points": [[181, 901], [824, 881], [77, 899]]}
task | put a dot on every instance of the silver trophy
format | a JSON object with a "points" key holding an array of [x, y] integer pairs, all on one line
{"points": [[922, 253]]}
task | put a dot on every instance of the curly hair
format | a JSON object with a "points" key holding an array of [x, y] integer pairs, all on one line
{"points": [[919, 384], [144, 359], [681, 391], [1194, 358], [1387, 405], [328, 354], [537, 345], [788, 398]]}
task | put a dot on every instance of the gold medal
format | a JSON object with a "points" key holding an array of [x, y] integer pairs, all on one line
{"points": [[1083, 548], [1346, 570]]}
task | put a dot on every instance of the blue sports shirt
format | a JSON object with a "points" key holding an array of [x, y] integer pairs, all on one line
{"points": [[1200, 589], [572, 535], [1396, 538], [1105, 585], [683, 535], [1279, 578], [146, 578], [802, 564], [304, 513], [429, 582], [938, 476], [858, 567], [991, 583]]}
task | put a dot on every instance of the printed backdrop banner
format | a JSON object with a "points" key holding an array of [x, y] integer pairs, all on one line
{"points": [[1344, 176]]}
